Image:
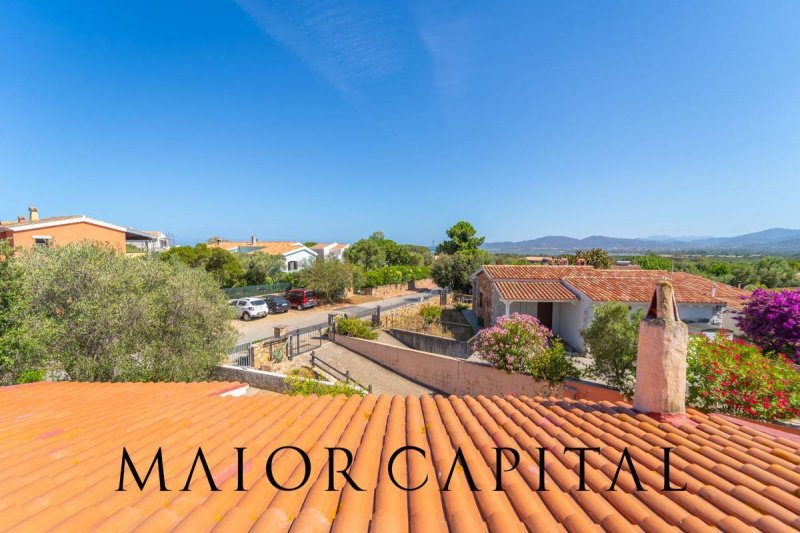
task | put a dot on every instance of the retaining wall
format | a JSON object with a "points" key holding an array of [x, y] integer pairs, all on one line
{"points": [[451, 375], [259, 379], [432, 343]]}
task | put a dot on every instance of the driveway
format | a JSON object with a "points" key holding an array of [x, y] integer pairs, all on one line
{"points": [[383, 380], [263, 327]]}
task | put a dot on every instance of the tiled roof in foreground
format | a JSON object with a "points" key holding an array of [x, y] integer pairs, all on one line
{"points": [[60, 456]]}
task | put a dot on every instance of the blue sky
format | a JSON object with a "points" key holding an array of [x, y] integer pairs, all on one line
{"points": [[325, 120]]}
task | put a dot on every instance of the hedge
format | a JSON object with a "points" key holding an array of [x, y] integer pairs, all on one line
{"points": [[391, 275]]}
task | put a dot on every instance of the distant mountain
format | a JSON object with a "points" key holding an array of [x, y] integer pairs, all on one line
{"points": [[774, 240], [682, 238]]}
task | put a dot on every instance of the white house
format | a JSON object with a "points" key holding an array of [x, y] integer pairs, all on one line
{"points": [[157, 241], [296, 255], [563, 297], [330, 250]]}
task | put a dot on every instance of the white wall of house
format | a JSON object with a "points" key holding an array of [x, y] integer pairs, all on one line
{"points": [[573, 318], [300, 259], [526, 308], [498, 305], [728, 321]]}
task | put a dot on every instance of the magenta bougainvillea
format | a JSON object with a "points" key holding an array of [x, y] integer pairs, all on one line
{"points": [[511, 343], [771, 319]]}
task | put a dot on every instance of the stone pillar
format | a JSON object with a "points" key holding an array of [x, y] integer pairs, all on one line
{"points": [[661, 357], [280, 331]]}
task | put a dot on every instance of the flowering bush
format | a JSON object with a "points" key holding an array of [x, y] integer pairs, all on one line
{"points": [[735, 377], [512, 342], [772, 320]]}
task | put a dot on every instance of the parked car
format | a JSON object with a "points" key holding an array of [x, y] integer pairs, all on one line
{"points": [[301, 298], [247, 308], [277, 304]]}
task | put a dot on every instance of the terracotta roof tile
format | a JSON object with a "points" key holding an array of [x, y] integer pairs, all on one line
{"points": [[535, 291], [60, 453], [266, 247], [638, 285], [602, 285], [534, 272]]}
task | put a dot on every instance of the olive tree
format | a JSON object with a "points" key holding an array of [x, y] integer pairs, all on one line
{"points": [[106, 317], [330, 278], [454, 271], [18, 355]]}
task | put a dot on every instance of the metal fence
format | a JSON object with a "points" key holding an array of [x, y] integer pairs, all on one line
{"points": [[256, 290], [294, 343]]}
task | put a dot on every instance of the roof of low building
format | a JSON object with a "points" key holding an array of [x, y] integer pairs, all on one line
{"points": [[533, 272], [267, 247], [61, 449], [620, 285], [56, 221], [535, 291], [637, 286]]}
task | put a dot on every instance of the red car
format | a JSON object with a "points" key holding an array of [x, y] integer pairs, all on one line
{"points": [[301, 298]]}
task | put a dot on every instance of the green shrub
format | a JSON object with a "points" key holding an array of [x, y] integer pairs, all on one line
{"points": [[355, 327], [391, 275], [299, 386], [31, 376], [553, 365], [612, 340], [303, 372], [737, 378], [430, 313]]}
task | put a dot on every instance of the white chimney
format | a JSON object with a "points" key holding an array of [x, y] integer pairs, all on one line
{"points": [[33, 214], [661, 357], [713, 289]]}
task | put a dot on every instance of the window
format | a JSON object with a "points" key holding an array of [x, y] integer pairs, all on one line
{"points": [[39, 240], [292, 265]]}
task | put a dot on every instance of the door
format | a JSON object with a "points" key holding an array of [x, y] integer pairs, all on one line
{"points": [[545, 314]]}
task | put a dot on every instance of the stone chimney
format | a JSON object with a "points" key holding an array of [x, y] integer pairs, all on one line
{"points": [[20, 218], [33, 213], [661, 358], [713, 289]]}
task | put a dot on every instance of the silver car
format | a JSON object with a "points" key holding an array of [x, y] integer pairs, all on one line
{"points": [[247, 308]]}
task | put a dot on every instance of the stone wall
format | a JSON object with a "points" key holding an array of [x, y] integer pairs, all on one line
{"points": [[432, 343], [422, 284], [399, 288], [482, 298], [259, 379]]}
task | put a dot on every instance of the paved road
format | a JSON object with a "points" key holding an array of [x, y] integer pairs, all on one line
{"points": [[263, 327]]}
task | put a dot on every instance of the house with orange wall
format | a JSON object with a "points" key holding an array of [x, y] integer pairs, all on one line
{"points": [[34, 231]]}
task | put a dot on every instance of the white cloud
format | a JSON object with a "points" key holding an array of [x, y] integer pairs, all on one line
{"points": [[343, 43]]}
